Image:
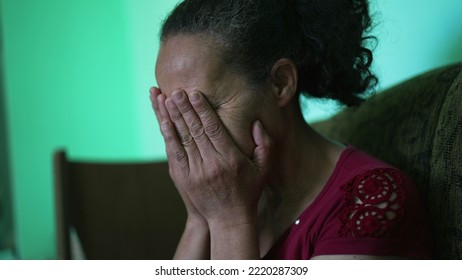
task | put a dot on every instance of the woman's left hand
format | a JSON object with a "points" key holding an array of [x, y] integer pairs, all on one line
{"points": [[222, 183]]}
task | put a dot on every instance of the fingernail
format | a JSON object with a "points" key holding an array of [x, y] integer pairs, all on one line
{"points": [[194, 96], [177, 95]]}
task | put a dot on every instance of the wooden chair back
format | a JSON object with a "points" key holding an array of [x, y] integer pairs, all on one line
{"points": [[119, 210]]}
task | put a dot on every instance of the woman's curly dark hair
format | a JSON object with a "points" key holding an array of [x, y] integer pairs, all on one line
{"points": [[324, 38]]}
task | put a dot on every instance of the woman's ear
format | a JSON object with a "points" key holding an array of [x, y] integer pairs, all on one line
{"points": [[284, 79]]}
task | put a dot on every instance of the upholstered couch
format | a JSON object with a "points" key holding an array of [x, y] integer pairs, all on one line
{"points": [[417, 126]]}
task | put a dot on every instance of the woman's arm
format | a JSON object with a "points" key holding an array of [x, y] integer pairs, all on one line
{"points": [[234, 241], [195, 242]]}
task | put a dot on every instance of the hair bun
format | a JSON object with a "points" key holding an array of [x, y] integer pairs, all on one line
{"points": [[324, 38]]}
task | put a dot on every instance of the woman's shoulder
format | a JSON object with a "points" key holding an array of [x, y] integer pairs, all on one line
{"points": [[356, 160], [372, 190], [358, 168], [375, 204]]}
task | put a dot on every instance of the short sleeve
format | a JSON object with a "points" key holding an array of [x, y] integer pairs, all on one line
{"points": [[378, 214]]}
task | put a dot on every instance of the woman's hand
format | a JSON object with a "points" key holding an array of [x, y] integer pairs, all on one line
{"points": [[205, 163], [195, 241], [194, 217], [214, 177]]}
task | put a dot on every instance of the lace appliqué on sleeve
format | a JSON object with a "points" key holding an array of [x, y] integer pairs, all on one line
{"points": [[374, 201]]}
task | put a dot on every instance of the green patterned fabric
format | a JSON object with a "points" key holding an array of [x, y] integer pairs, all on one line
{"points": [[417, 126]]}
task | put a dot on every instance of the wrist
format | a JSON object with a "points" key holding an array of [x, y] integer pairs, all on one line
{"points": [[234, 239], [196, 223], [233, 220], [195, 241]]}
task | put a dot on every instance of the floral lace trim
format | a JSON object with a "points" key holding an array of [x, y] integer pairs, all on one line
{"points": [[374, 201]]}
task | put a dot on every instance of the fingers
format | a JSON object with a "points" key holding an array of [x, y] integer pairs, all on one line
{"points": [[212, 126], [181, 113], [174, 148], [154, 93], [192, 120], [162, 110], [198, 128], [179, 122], [262, 151]]}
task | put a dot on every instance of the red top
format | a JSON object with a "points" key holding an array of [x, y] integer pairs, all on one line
{"points": [[366, 208]]}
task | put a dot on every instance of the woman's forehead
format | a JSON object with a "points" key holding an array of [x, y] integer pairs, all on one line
{"points": [[192, 53], [187, 61]]}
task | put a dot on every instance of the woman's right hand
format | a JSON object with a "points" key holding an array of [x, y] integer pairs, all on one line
{"points": [[195, 219], [195, 241]]}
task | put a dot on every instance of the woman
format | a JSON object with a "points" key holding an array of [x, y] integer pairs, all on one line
{"points": [[257, 181]]}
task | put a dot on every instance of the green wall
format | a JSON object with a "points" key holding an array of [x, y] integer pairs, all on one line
{"points": [[78, 74], [77, 77]]}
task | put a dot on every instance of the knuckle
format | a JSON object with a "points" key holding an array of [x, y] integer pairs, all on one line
{"points": [[216, 174], [165, 128], [197, 131], [229, 171], [168, 137], [176, 117], [186, 139], [177, 156], [180, 156], [213, 130]]}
